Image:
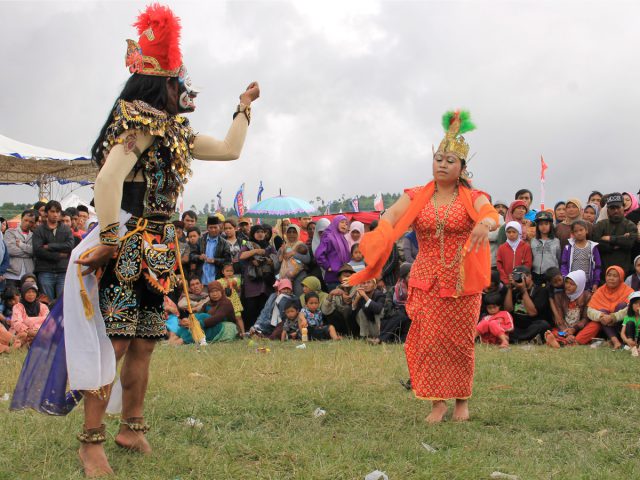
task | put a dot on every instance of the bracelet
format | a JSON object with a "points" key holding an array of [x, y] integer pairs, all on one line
{"points": [[109, 235], [245, 109]]}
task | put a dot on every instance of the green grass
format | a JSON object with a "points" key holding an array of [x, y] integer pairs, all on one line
{"points": [[536, 413]]}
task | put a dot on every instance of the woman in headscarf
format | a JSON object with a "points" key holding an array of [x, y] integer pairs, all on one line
{"points": [[607, 308], [630, 202], [219, 323], [571, 303], [333, 251], [293, 258], [29, 313], [517, 211], [633, 280], [356, 231], [591, 212], [321, 227], [272, 313], [560, 211], [513, 252], [257, 273], [312, 284]]}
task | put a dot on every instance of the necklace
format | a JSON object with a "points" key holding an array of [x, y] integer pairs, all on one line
{"points": [[440, 224]]}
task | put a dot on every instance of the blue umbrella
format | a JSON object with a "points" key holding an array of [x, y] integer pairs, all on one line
{"points": [[281, 207]]}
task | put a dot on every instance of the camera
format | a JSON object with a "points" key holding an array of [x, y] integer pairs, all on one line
{"points": [[518, 277]]}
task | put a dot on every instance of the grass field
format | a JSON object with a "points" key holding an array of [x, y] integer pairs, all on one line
{"points": [[536, 413]]}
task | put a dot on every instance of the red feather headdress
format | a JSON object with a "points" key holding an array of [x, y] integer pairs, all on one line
{"points": [[157, 52]]}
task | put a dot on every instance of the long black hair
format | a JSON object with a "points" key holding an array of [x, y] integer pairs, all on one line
{"points": [[148, 88]]}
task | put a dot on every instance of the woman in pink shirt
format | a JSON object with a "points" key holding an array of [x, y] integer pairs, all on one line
{"points": [[29, 313]]}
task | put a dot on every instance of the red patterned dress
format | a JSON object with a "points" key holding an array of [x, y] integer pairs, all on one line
{"points": [[440, 343]]}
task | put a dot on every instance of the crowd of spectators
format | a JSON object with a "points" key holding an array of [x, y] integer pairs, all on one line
{"points": [[562, 276]]}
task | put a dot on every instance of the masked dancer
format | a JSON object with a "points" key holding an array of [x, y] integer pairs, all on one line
{"points": [[453, 265], [144, 154]]}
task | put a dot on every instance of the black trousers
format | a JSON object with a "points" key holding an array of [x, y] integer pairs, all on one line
{"points": [[252, 306], [631, 331], [344, 326], [527, 330], [395, 328]]}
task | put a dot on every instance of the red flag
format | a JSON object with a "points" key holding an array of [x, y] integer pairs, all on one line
{"points": [[543, 168]]}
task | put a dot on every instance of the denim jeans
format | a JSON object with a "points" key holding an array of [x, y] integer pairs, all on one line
{"points": [[51, 283]]}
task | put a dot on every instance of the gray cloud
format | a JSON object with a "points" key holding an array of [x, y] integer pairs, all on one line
{"points": [[352, 93]]}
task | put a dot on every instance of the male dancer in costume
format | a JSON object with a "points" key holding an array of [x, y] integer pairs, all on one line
{"points": [[144, 153]]}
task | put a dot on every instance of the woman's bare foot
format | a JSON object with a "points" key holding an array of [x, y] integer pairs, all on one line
{"points": [[132, 440], [461, 411], [550, 339], [94, 460], [438, 411], [616, 343]]}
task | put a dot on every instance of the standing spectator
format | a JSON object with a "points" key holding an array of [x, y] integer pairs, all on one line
{"points": [[573, 213], [529, 304], [20, 248], [493, 235], [630, 202], [52, 245], [244, 228], [190, 219], [513, 252], [560, 211], [395, 323], [215, 251], [390, 268], [591, 212], [83, 217], [526, 196], [582, 254], [293, 258], [4, 263], [517, 211], [232, 284], [231, 235], [545, 247], [333, 251], [410, 246], [304, 223], [356, 231], [615, 236], [595, 197], [357, 259], [39, 207], [65, 219], [501, 207], [192, 254], [607, 308], [257, 274]]}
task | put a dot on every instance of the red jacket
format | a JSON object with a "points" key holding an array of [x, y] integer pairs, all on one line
{"points": [[507, 259]]}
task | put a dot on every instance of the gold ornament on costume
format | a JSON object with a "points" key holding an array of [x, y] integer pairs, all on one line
{"points": [[455, 124]]}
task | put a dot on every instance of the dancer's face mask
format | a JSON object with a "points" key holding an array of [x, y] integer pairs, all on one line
{"points": [[186, 92]]}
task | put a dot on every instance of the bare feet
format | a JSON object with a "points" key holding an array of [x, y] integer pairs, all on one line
{"points": [[132, 440], [438, 411], [616, 343], [550, 338], [94, 461], [461, 411]]}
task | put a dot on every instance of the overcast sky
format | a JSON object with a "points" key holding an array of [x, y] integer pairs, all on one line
{"points": [[352, 92]]}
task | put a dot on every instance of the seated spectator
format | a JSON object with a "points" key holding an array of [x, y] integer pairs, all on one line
{"points": [[257, 274], [395, 323], [198, 297], [368, 308], [293, 259], [582, 254], [9, 340], [633, 280], [232, 287], [513, 252], [571, 306], [545, 247], [591, 212], [290, 327], [516, 213], [336, 307], [192, 256], [494, 327], [607, 309], [631, 324], [10, 297], [529, 305], [357, 259], [390, 268], [356, 231], [333, 250], [28, 314], [273, 312], [312, 319], [560, 211], [312, 284]]}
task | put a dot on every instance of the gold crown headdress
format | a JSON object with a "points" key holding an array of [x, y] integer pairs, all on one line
{"points": [[455, 124]]}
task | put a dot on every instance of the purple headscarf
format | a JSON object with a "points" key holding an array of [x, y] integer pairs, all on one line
{"points": [[333, 237]]}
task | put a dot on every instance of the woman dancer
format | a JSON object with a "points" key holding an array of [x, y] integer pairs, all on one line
{"points": [[452, 222]]}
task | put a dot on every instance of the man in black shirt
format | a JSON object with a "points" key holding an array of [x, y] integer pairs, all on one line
{"points": [[529, 305]]}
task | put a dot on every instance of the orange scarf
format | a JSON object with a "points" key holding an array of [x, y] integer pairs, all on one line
{"points": [[376, 246], [609, 300]]}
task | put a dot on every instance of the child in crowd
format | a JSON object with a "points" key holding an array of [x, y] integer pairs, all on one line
{"points": [[517, 211], [10, 297], [513, 252], [357, 259], [312, 319], [232, 284], [631, 324], [582, 254], [495, 326], [633, 280], [29, 313], [193, 255], [571, 310], [291, 323], [545, 247]]}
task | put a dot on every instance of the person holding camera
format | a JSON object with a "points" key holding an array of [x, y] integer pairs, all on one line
{"points": [[337, 305], [257, 274], [529, 305]]}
